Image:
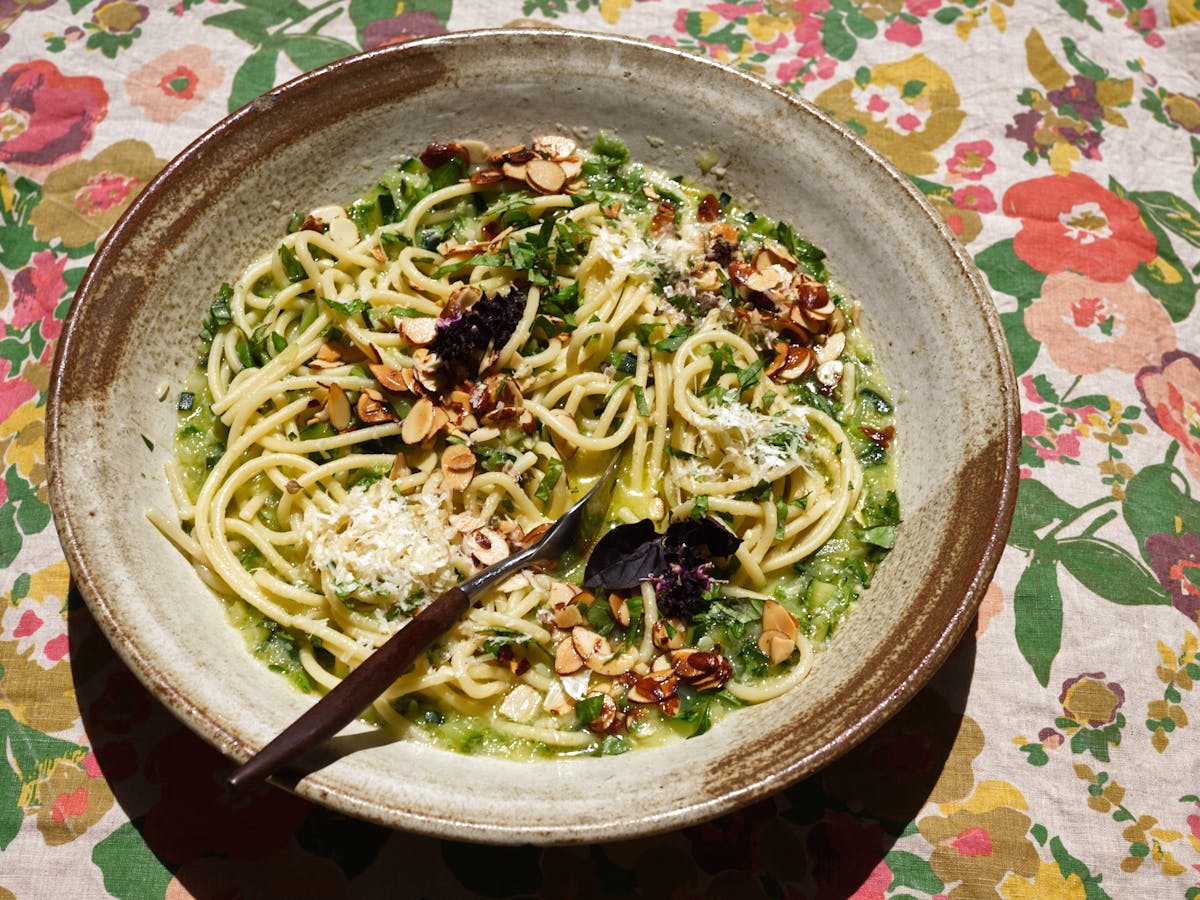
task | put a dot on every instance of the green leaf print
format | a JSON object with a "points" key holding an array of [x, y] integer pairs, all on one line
{"points": [[1037, 507], [912, 871], [1111, 572], [256, 76], [308, 51], [26, 755], [1008, 273], [1037, 607], [131, 870], [837, 41], [1154, 497], [253, 23]]}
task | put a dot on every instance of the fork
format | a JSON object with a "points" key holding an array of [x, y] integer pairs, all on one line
{"points": [[573, 531]]}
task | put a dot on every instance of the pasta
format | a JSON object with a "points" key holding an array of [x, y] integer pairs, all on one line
{"points": [[407, 389]]}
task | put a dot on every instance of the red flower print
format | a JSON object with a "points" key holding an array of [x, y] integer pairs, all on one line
{"points": [[1171, 392], [1070, 222], [46, 118]]}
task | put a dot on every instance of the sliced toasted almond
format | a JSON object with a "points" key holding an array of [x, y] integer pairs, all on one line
{"points": [[652, 690], [589, 644], [703, 670], [777, 645], [343, 232], [418, 424], [765, 279], [533, 535], [392, 379], [572, 167], [776, 618], [399, 466], [564, 445], [567, 660], [489, 175], [668, 634], [338, 405], [464, 522], [329, 353], [514, 170], [606, 718], [425, 368], [485, 546], [562, 593], [620, 609], [545, 176], [458, 458], [419, 331], [373, 411], [555, 146], [568, 616], [832, 348]]}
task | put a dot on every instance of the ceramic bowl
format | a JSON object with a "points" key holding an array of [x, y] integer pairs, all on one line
{"points": [[325, 137]]}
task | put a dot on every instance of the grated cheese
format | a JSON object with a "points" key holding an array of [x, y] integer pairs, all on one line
{"points": [[382, 548]]}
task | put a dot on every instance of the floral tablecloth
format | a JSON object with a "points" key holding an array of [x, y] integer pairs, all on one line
{"points": [[1057, 755]]}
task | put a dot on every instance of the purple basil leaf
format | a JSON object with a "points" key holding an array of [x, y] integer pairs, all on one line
{"points": [[625, 557], [699, 540]]}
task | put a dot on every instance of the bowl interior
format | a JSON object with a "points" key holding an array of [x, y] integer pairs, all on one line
{"points": [[325, 138]]}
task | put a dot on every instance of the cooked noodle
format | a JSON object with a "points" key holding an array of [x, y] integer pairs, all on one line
{"points": [[337, 472]]}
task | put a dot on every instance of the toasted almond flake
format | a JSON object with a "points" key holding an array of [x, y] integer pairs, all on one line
{"points": [[419, 331], [701, 669], [606, 717], [564, 445], [765, 279], [487, 176], [372, 411], [620, 609], [562, 593], [545, 176], [832, 348], [485, 546], [465, 522], [777, 645], [776, 618], [338, 405], [667, 634], [399, 467], [514, 170], [568, 616], [418, 424], [572, 167], [343, 232], [392, 379], [567, 660], [329, 353], [556, 146], [533, 535]]}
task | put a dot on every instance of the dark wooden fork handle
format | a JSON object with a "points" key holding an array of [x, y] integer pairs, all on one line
{"points": [[356, 691]]}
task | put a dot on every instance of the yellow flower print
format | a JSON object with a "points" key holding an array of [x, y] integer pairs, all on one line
{"points": [[611, 9], [70, 801], [83, 199], [35, 679], [982, 839], [22, 444], [906, 109], [1048, 884]]}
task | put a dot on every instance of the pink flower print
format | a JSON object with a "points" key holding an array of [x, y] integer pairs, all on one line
{"points": [[1171, 392], [40, 631], [972, 160], [1031, 391], [36, 291], [174, 82], [902, 31], [921, 7], [1033, 423], [976, 197], [1088, 326], [104, 190]]}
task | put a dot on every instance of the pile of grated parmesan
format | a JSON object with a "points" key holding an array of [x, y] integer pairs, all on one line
{"points": [[381, 548]]}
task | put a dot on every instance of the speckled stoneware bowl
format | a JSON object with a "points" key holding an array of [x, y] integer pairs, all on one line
{"points": [[326, 137]]}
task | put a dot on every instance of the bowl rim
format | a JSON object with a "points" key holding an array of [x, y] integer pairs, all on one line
{"points": [[218, 734]]}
